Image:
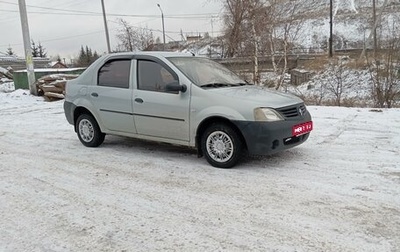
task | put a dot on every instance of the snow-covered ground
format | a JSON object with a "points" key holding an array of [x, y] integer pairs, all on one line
{"points": [[340, 191], [356, 88]]}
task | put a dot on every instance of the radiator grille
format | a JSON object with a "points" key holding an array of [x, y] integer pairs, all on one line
{"points": [[293, 111]]}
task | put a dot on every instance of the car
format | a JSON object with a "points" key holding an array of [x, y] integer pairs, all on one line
{"points": [[183, 99]]}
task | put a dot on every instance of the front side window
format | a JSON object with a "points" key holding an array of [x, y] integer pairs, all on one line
{"points": [[115, 74], [154, 77]]}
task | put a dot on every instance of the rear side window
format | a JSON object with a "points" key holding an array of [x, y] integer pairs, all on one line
{"points": [[115, 74]]}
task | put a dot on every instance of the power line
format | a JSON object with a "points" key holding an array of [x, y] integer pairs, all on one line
{"points": [[114, 15], [63, 38], [158, 30], [51, 13], [101, 31], [60, 11], [91, 13], [49, 8]]}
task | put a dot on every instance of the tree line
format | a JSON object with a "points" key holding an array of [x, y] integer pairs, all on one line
{"points": [[255, 28], [38, 50]]}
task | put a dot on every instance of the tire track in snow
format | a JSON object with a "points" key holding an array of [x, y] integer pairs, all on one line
{"points": [[343, 125]]}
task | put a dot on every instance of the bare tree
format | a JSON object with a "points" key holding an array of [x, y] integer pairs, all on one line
{"points": [[338, 83], [243, 30], [258, 28], [134, 38], [256, 18], [377, 21], [236, 11], [285, 26], [145, 39], [384, 68]]}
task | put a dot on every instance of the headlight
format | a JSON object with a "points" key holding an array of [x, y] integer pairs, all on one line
{"points": [[267, 115]]}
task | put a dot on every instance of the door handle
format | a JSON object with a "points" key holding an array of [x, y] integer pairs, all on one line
{"points": [[94, 94], [139, 100]]}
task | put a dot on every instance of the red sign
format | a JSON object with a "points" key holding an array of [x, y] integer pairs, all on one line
{"points": [[301, 129]]}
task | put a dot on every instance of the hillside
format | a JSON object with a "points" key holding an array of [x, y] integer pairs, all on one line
{"points": [[352, 21]]}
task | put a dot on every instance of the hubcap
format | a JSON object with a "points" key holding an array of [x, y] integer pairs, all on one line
{"points": [[219, 146], [86, 130]]}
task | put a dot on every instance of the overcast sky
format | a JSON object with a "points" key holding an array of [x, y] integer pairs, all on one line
{"points": [[63, 26]]}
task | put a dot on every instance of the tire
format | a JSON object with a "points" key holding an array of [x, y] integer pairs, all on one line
{"points": [[89, 131], [221, 146]]}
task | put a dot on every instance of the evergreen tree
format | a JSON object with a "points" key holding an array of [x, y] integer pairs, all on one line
{"points": [[35, 49], [81, 55], [38, 50], [10, 51], [41, 51], [86, 56], [89, 55]]}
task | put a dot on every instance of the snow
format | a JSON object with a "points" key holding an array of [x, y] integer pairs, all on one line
{"points": [[350, 25], [3, 70], [345, 4], [340, 191], [7, 86], [356, 87], [5, 58]]}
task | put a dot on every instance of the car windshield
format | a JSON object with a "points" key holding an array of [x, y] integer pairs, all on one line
{"points": [[204, 72]]}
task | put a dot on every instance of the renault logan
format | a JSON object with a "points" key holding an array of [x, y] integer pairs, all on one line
{"points": [[183, 99]]}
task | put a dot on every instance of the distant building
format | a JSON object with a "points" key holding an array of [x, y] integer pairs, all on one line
{"points": [[57, 64], [169, 46], [195, 38], [17, 63]]}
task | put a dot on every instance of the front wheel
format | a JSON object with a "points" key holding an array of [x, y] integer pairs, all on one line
{"points": [[89, 131], [221, 146]]}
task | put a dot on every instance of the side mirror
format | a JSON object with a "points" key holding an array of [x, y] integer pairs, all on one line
{"points": [[176, 87]]}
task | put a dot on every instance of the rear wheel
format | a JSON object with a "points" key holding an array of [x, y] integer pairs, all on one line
{"points": [[221, 146], [89, 131]]}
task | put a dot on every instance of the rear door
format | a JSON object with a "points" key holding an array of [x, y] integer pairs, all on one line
{"points": [[158, 112], [112, 96]]}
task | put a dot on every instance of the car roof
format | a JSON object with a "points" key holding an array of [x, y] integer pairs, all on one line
{"points": [[152, 53]]}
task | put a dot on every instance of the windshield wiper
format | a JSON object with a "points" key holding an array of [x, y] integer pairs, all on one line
{"points": [[217, 85]]}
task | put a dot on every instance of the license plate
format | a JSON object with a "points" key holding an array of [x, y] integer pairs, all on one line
{"points": [[301, 129]]}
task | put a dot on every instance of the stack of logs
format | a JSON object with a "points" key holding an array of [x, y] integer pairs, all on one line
{"points": [[5, 75], [52, 87]]}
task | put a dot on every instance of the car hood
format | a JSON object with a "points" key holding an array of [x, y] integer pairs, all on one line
{"points": [[260, 95]]}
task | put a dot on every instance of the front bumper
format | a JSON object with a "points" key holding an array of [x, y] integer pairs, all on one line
{"points": [[264, 138]]}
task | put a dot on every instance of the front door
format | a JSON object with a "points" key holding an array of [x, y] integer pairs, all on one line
{"points": [[158, 112]]}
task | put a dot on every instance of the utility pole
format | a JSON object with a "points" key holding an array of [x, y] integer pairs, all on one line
{"points": [[106, 27], [27, 47], [163, 27], [331, 30], [255, 41], [374, 17], [377, 20], [212, 27]]}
